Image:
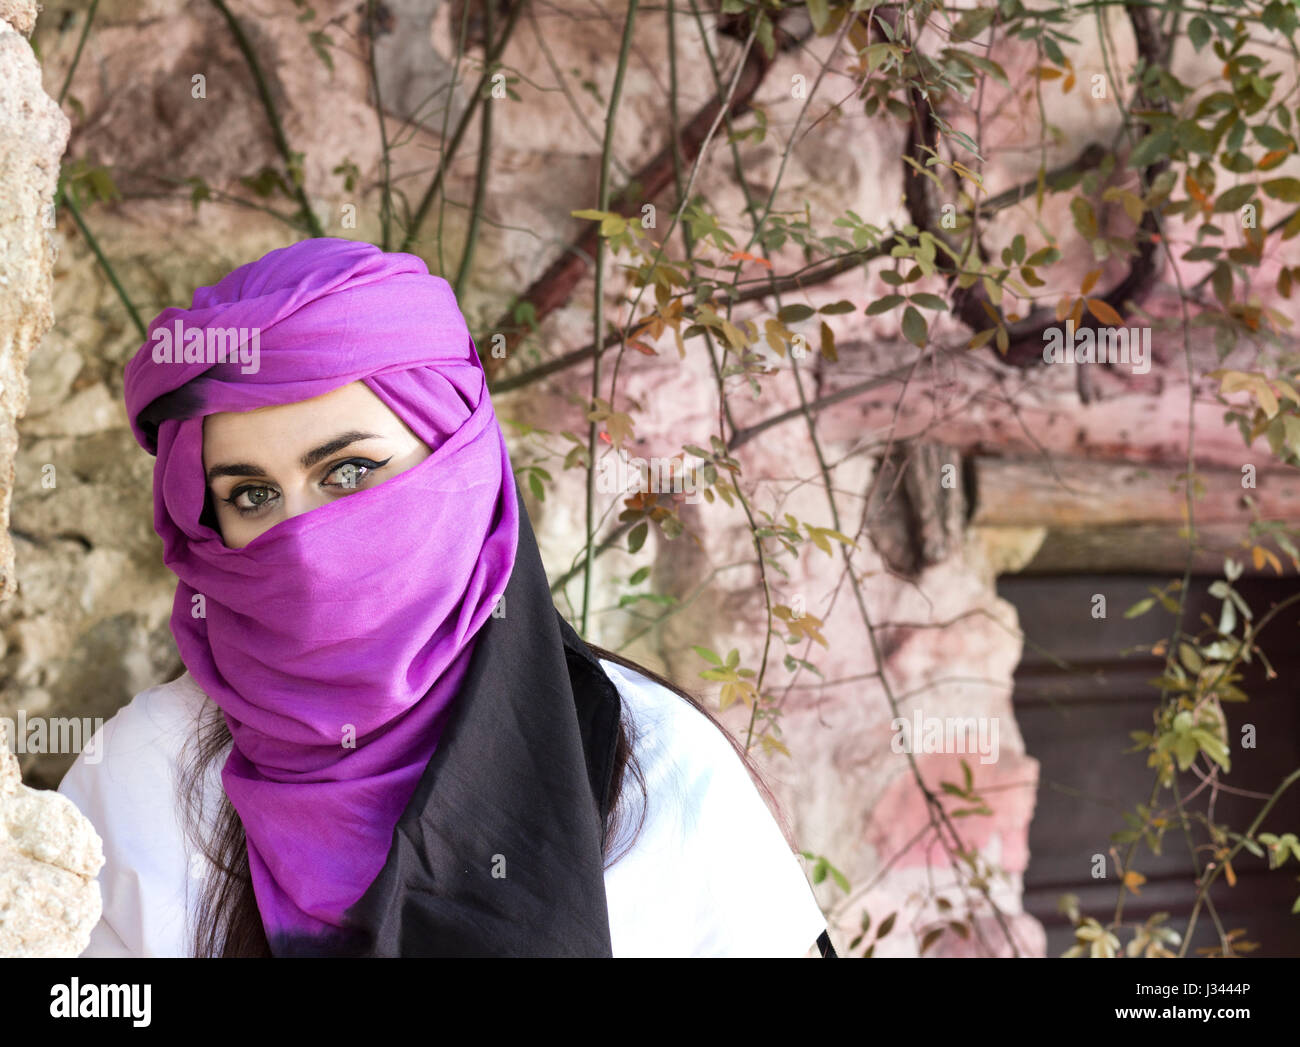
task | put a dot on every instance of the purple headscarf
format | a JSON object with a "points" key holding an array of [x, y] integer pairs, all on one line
{"points": [[335, 641]]}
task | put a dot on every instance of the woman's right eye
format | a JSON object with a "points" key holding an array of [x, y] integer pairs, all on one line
{"points": [[249, 500]]}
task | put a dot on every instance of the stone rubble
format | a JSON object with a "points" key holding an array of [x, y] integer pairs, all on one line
{"points": [[50, 855]]}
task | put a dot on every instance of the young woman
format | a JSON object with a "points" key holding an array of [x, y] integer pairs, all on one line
{"points": [[421, 757]]}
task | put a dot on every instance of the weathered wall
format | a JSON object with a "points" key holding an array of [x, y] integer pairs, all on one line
{"points": [[33, 132], [49, 853]]}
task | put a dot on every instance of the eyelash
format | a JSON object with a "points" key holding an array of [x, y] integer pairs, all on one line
{"points": [[370, 466]]}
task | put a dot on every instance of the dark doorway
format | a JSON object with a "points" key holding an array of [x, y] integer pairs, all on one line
{"points": [[1076, 723]]}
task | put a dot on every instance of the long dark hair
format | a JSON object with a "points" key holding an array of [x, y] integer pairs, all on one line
{"points": [[227, 919]]}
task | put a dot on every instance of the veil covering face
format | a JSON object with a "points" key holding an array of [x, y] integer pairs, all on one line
{"points": [[335, 643]]}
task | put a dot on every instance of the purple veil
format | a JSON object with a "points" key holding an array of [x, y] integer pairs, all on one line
{"points": [[334, 642]]}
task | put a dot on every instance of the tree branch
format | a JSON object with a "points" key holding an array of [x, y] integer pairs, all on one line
{"points": [[555, 286], [273, 117]]}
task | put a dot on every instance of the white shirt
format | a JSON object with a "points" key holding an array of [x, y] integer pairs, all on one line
{"points": [[710, 873]]}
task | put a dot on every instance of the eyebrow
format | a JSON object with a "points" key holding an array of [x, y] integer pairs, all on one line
{"points": [[309, 459]]}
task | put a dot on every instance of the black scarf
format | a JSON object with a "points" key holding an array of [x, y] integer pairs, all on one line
{"points": [[498, 852]]}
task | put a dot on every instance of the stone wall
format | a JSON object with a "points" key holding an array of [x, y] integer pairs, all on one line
{"points": [[49, 853]]}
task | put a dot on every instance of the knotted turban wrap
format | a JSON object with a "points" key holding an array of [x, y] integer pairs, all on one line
{"points": [[336, 643]]}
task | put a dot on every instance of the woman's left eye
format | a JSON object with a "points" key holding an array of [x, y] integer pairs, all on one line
{"points": [[348, 475]]}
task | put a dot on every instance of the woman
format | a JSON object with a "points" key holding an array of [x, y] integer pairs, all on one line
{"points": [[422, 758]]}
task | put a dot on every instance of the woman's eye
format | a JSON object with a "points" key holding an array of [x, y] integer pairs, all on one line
{"points": [[249, 500], [348, 475]]}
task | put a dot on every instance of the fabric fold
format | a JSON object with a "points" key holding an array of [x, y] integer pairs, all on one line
{"points": [[499, 851], [341, 643]]}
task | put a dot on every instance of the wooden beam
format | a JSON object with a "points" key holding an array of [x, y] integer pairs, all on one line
{"points": [[1064, 493], [1113, 517]]}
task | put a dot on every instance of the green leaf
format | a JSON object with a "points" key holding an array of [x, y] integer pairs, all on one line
{"points": [[1277, 15], [828, 343], [883, 305], [1221, 281], [1151, 148], [636, 536], [1085, 219], [818, 14], [928, 301], [1284, 189], [1252, 847], [320, 42], [886, 925], [1212, 747], [1236, 161], [200, 191], [914, 327], [1198, 32], [794, 313], [765, 37], [1236, 135], [877, 53], [1234, 198], [1044, 256], [972, 23], [1194, 138], [710, 656], [1271, 137], [1140, 608], [984, 65]]}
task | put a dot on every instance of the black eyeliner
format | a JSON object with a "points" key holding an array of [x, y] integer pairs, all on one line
{"points": [[367, 463]]}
